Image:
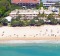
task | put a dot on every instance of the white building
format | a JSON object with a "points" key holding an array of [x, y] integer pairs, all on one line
{"points": [[27, 12], [48, 4]]}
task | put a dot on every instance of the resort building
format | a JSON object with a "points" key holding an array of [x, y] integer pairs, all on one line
{"points": [[52, 1], [27, 3], [48, 4], [30, 13]]}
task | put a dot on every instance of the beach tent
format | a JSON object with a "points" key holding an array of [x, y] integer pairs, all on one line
{"points": [[8, 18]]}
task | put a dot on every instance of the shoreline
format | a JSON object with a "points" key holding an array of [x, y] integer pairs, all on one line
{"points": [[29, 40]]}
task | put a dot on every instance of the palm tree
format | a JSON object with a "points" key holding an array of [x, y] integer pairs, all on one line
{"points": [[41, 16], [59, 11]]}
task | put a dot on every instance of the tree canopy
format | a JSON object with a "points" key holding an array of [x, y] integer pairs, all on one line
{"points": [[6, 7]]}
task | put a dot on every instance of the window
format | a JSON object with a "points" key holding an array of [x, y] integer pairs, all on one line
{"points": [[35, 0]]}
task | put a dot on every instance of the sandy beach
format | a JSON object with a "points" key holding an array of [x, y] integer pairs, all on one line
{"points": [[30, 34]]}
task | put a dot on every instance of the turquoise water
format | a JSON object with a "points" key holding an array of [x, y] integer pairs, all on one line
{"points": [[30, 50]]}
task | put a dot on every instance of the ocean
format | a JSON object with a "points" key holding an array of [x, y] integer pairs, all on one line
{"points": [[30, 49]]}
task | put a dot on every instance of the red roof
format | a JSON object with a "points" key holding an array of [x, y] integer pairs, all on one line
{"points": [[25, 1]]}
